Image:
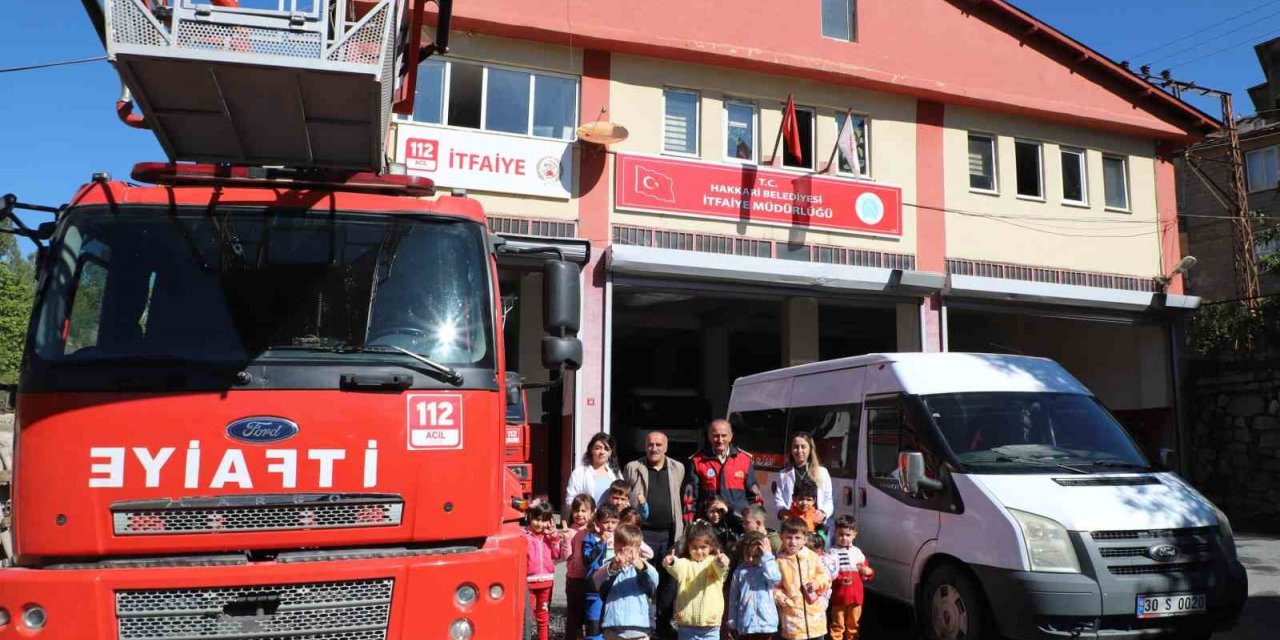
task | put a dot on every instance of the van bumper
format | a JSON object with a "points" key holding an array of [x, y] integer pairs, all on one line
{"points": [[1050, 606]]}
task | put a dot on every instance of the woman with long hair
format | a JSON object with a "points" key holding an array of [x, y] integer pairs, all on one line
{"points": [[803, 462], [598, 470]]}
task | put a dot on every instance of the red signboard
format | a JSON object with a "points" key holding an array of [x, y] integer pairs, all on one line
{"points": [[754, 194]]}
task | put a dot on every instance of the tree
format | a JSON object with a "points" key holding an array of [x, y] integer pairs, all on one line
{"points": [[17, 293]]}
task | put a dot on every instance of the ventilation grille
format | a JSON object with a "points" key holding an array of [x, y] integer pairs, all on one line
{"points": [[357, 610], [130, 24], [1108, 481], [1151, 534], [1151, 569], [210, 36], [301, 513], [1141, 552]]}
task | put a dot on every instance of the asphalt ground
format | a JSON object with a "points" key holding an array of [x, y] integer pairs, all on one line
{"points": [[886, 620]]}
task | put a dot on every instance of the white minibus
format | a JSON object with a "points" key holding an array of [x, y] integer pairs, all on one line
{"points": [[997, 496]]}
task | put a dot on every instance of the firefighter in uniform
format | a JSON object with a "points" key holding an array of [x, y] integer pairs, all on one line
{"points": [[720, 468]]}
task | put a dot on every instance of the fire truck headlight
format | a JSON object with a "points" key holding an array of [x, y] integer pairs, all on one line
{"points": [[460, 629], [34, 617], [465, 596], [496, 591]]}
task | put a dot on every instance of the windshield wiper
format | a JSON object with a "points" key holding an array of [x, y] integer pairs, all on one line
{"points": [[1041, 463], [1118, 464], [445, 372]]}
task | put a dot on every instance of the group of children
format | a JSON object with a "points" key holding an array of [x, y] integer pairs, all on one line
{"points": [[731, 572]]}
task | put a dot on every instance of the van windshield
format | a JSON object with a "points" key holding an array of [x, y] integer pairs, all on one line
{"points": [[1009, 432]]}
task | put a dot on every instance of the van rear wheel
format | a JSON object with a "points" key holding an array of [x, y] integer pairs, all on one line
{"points": [[953, 606]]}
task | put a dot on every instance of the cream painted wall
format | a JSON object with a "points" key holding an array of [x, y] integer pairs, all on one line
{"points": [[532, 56], [1090, 238], [636, 99]]}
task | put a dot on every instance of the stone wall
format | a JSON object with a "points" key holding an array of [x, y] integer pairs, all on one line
{"points": [[1233, 416]]}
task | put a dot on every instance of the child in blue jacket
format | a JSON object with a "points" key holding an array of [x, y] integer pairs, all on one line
{"points": [[625, 585], [753, 615]]}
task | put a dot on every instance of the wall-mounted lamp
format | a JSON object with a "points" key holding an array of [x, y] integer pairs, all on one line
{"points": [[1183, 265]]}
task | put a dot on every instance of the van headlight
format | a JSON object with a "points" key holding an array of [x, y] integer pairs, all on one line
{"points": [[1048, 545], [1225, 534]]}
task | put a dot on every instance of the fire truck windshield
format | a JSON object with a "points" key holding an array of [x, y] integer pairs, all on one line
{"points": [[253, 285]]}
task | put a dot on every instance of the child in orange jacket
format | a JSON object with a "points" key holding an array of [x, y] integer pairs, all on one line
{"points": [[801, 614]]}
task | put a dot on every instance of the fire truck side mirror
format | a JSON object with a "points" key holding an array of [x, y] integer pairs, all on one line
{"points": [[562, 299], [561, 353]]}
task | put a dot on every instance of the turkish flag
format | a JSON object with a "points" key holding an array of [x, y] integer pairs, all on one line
{"points": [[791, 129], [658, 186]]}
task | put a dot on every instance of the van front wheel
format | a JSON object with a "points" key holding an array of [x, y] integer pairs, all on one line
{"points": [[953, 606]]}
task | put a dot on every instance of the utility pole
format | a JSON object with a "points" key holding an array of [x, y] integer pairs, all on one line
{"points": [[1236, 201]]}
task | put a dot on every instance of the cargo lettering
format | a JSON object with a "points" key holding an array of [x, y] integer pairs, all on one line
{"points": [[109, 466]]}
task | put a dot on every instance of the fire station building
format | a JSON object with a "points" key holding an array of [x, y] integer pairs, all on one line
{"points": [[1010, 192]]}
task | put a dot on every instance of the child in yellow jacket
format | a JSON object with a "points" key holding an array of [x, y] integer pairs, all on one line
{"points": [[802, 614], [699, 577]]}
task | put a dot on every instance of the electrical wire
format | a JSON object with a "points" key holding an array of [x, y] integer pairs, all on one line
{"points": [[1202, 30], [1268, 35], [1215, 38], [47, 65]]}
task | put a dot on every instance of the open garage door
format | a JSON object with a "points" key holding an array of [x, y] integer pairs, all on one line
{"points": [[677, 348], [1124, 360]]}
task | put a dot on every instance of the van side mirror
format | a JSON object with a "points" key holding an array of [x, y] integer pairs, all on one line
{"points": [[562, 302], [911, 474]]}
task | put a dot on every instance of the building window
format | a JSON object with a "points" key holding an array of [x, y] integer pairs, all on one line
{"points": [[1115, 182], [680, 126], [982, 162], [804, 123], [861, 125], [473, 96], [1263, 168], [1026, 157], [839, 19], [1075, 177], [740, 131], [428, 104]]}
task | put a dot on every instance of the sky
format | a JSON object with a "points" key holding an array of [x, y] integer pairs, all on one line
{"points": [[59, 126]]}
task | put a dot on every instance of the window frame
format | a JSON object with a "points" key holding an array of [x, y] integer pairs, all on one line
{"points": [[1124, 176], [755, 131], [446, 96], [697, 123], [852, 439], [866, 141], [1084, 175], [1249, 186], [851, 14], [813, 140], [992, 139], [1040, 181]]}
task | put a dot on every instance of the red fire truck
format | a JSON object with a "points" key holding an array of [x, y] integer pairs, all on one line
{"points": [[265, 402]]}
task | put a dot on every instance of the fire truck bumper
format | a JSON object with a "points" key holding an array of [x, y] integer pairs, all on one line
{"points": [[369, 594]]}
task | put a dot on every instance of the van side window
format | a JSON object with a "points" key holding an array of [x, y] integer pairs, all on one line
{"points": [[835, 433], [762, 434], [892, 429]]}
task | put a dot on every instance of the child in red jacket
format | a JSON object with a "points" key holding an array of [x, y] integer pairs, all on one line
{"points": [[544, 549], [850, 569]]}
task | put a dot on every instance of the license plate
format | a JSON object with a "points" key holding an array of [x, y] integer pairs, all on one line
{"points": [[1170, 604]]}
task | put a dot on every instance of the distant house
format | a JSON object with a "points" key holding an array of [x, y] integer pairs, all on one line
{"points": [[1212, 239]]}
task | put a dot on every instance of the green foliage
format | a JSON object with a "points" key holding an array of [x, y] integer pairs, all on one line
{"points": [[17, 292], [1229, 328]]}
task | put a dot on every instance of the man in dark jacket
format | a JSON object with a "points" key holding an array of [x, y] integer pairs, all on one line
{"points": [[720, 468]]}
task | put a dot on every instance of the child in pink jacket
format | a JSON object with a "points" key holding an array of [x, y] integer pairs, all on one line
{"points": [[544, 549]]}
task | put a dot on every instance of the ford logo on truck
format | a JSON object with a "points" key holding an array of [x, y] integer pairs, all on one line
{"points": [[1163, 552], [262, 430]]}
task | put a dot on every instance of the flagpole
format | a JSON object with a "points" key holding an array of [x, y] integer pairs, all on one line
{"points": [[836, 147], [778, 139]]}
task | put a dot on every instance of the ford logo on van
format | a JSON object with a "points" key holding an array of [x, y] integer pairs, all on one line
{"points": [[262, 430], [1163, 552]]}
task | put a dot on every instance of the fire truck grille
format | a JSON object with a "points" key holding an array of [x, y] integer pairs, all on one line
{"points": [[357, 610], [135, 519]]}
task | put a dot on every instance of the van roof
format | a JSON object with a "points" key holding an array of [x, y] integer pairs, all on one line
{"points": [[926, 373]]}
